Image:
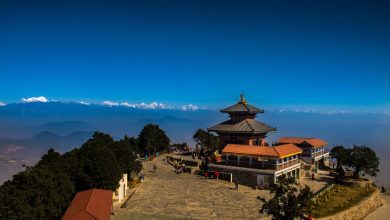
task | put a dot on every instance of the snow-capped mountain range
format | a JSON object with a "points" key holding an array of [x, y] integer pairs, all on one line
{"points": [[142, 105]]}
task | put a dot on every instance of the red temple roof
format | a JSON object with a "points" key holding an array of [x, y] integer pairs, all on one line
{"points": [[280, 151], [90, 204], [313, 142]]}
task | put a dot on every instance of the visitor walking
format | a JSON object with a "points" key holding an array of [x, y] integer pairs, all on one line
{"points": [[236, 183], [183, 167], [216, 174], [176, 167], [154, 168]]}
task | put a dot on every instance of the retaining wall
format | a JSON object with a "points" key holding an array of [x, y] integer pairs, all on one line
{"points": [[360, 210]]}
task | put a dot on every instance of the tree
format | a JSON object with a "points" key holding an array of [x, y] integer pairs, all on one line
{"points": [[287, 202], [153, 139], [341, 154], [45, 190], [52, 161], [99, 139], [363, 158], [94, 165], [100, 168], [133, 143], [205, 139], [182, 146], [36, 193], [126, 156]]}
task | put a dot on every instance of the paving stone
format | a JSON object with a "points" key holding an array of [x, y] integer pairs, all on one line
{"points": [[164, 194]]}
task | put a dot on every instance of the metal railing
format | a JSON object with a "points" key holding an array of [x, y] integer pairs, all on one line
{"points": [[258, 165]]}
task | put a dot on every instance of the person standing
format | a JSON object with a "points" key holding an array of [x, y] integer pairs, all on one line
{"points": [[216, 174], [176, 167], [183, 166], [155, 167], [236, 183]]}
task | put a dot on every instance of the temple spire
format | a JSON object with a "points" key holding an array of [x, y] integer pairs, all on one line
{"points": [[242, 99]]}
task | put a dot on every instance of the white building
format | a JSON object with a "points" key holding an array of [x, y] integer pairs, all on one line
{"points": [[120, 192], [314, 151]]}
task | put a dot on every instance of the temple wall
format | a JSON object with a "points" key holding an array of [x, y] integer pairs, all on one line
{"points": [[246, 178], [240, 139]]}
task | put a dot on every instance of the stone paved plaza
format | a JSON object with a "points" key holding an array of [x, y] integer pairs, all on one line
{"points": [[166, 195]]}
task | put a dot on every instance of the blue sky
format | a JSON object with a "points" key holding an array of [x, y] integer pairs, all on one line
{"points": [[300, 54]]}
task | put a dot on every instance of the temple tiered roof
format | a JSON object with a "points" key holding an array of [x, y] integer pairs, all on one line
{"points": [[242, 120], [245, 126], [242, 106]]}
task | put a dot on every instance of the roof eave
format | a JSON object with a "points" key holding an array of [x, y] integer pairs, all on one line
{"points": [[230, 111], [241, 132]]}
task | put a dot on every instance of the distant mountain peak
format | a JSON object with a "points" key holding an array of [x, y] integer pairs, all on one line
{"points": [[46, 134], [153, 105], [35, 99]]}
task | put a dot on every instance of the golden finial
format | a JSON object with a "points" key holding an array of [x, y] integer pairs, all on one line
{"points": [[242, 99]]}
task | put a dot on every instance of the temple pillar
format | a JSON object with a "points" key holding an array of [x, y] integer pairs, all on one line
{"points": [[238, 161], [227, 158], [250, 161]]}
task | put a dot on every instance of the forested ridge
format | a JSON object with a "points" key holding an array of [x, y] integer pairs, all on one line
{"points": [[45, 190]]}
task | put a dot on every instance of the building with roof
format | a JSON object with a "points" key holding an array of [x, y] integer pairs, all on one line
{"points": [[121, 192], [245, 153], [242, 127], [91, 204], [267, 163], [314, 152]]}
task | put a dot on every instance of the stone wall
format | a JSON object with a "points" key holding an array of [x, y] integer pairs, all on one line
{"points": [[357, 183], [245, 177], [359, 211]]}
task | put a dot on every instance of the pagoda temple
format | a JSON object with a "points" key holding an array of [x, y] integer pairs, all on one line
{"points": [[242, 128]]}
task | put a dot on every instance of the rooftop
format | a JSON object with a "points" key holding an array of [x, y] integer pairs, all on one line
{"points": [[313, 142], [242, 107], [244, 126], [280, 151], [90, 204]]}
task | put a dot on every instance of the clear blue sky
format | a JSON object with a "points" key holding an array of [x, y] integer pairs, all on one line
{"points": [[286, 53]]}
